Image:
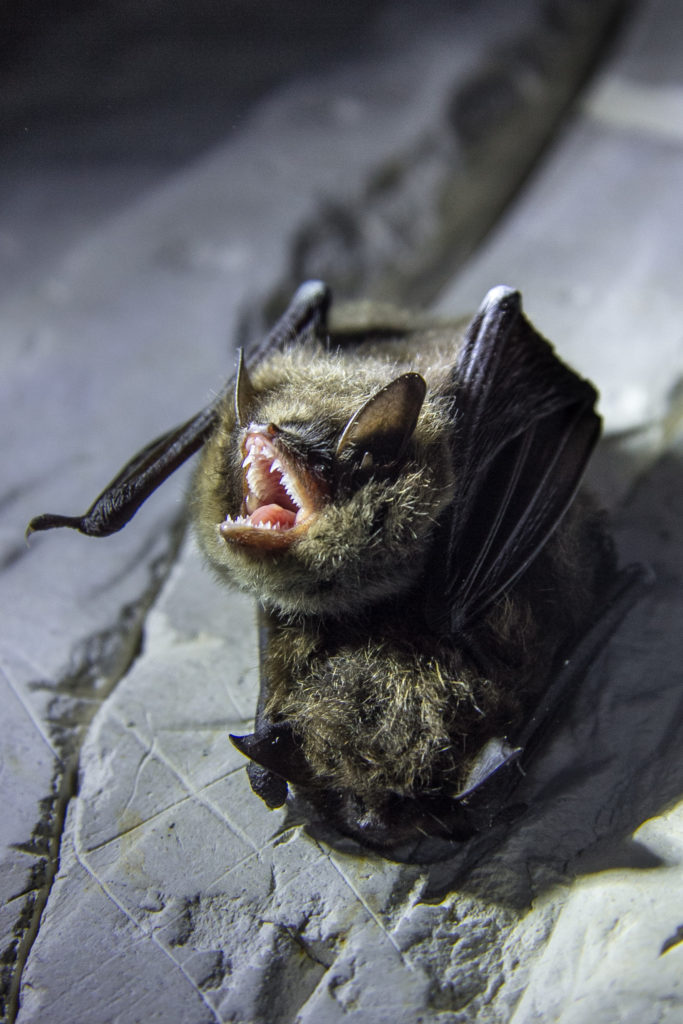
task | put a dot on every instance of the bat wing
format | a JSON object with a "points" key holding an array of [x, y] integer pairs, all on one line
{"points": [[123, 496], [524, 429]]}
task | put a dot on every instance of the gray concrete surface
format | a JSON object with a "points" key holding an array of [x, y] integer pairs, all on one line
{"points": [[153, 885]]}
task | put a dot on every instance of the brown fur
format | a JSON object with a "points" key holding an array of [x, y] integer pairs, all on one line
{"points": [[379, 702], [406, 713]]}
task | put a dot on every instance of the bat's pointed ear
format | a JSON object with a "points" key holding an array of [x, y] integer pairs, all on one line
{"points": [[383, 425], [244, 392]]}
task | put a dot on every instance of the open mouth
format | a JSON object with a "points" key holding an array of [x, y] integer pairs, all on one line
{"points": [[281, 499]]}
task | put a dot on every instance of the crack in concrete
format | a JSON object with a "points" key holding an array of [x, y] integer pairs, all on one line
{"points": [[370, 912], [195, 793], [672, 941], [38, 725], [100, 663]]}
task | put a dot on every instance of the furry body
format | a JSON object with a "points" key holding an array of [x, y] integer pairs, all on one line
{"points": [[381, 702]]}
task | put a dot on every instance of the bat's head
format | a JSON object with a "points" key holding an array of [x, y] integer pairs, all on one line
{"points": [[320, 488]]}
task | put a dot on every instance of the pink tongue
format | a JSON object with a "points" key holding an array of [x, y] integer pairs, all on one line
{"points": [[278, 516]]}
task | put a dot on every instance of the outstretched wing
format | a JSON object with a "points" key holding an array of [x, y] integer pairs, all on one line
{"points": [[525, 427], [122, 497]]}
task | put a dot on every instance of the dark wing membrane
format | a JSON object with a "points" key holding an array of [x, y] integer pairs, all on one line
{"points": [[525, 427], [117, 504], [305, 318]]}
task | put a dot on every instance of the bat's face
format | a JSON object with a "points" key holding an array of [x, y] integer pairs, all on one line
{"points": [[320, 490]]}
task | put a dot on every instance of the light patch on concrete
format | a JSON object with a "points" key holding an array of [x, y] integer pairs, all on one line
{"points": [[656, 110]]}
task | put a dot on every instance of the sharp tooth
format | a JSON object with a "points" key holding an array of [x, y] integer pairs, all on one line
{"points": [[252, 481], [291, 490], [247, 460], [276, 466], [236, 520]]}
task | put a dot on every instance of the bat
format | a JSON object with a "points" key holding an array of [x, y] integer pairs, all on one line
{"points": [[401, 495]]}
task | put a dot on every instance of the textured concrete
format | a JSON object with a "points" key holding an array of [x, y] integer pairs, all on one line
{"points": [[178, 895]]}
